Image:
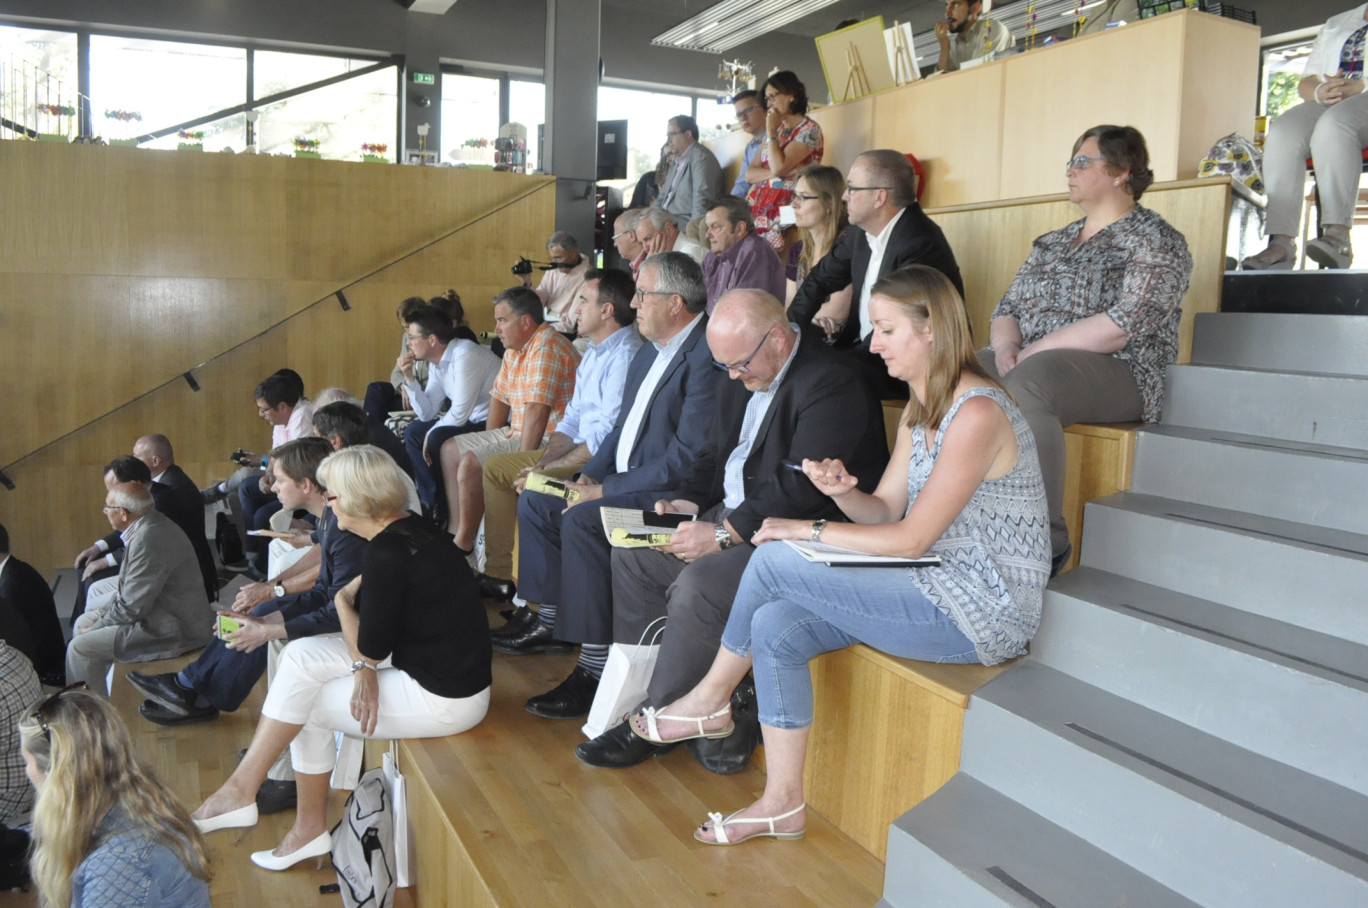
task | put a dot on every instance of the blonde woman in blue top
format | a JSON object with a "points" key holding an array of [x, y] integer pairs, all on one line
{"points": [[963, 483]]}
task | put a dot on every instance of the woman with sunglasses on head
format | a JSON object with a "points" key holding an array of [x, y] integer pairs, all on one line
{"points": [[1088, 326], [820, 214], [106, 831], [413, 660], [792, 140]]}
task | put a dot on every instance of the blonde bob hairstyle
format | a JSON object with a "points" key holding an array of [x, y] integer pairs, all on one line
{"points": [[924, 294], [367, 482], [77, 739]]}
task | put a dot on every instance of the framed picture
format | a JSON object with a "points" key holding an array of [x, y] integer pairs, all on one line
{"points": [[414, 156]]}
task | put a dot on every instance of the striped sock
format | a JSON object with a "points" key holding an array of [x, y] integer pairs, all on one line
{"points": [[547, 614], [593, 657]]}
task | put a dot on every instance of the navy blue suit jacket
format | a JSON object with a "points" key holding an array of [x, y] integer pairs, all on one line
{"points": [[312, 612], [675, 426]]}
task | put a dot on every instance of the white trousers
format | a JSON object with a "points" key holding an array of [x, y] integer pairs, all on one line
{"points": [[313, 688]]}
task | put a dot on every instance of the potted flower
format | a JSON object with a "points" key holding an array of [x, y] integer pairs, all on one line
{"points": [[190, 140], [124, 118], [52, 116], [306, 148], [374, 152]]}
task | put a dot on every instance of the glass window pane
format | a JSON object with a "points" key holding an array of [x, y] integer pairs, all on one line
{"points": [[341, 117], [527, 105], [38, 66], [470, 112], [230, 132], [1283, 68], [275, 71], [166, 82], [648, 116]]}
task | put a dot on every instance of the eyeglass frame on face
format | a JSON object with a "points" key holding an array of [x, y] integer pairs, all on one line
{"points": [[849, 189], [1072, 163], [113, 507], [38, 710], [618, 236], [641, 294], [743, 367], [410, 338], [743, 112], [806, 196]]}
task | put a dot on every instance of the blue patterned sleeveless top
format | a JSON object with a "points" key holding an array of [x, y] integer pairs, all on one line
{"points": [[995, 556]]}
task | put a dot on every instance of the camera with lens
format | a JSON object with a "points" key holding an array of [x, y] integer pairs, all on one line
{"points": [[524, 267]]}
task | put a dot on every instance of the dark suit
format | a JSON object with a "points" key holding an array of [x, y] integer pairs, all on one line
{"points": [[916, 240], [821, 409], [28, 619], [564, 558], [225, 677]]}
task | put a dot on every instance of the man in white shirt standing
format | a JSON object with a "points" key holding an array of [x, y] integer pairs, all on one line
{"points": [[460, 372]]}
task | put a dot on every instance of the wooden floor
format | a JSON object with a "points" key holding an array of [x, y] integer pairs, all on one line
{"points": [[536, 826]]}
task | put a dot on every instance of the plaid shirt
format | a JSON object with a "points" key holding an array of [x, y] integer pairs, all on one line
{"points": [[18, 689], [542, 372]]}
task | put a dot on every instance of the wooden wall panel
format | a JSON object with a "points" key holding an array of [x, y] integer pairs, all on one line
{"points": [[847, 130], [120, 269]]}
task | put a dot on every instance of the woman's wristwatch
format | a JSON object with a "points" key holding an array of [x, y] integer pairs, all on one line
{"points": [[360, 664], [817, 527]]}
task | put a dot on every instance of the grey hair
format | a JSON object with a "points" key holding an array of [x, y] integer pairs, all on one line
{"points": [[334, 395], [658, 217], [889, 168], [632, 217], [679, 273], [133, 498], [562, 240]]}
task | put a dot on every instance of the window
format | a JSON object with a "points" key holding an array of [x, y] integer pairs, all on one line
{"points": [[648, 117], [342, 117], [168, 82], [527, 105], [1282, 70], [38, 67], [470, 112]]}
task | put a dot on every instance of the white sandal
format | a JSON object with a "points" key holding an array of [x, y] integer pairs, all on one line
{"points": [[652, 732], [719, 828], [1329, 251]]}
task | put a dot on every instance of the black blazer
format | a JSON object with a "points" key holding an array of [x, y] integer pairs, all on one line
{"points": [[675, 425], [822, 409], [28, 619], [916, 240]]}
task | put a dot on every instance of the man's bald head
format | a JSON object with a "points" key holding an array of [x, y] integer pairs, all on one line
{"points": [[749, 335]]}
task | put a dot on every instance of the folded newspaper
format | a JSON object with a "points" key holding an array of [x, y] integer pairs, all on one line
{"points": [[548, 485], [629, 528]]}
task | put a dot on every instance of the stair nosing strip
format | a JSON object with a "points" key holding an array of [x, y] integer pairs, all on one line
{"points": [[1020, 888], [1234, 527], [1286, 822], [1242, 641]]}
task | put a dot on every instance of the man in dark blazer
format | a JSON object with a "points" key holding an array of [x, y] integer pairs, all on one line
{"points": [[791, 399], [668, 404], [158, 608], [889, 230], [184, 505], [28, 616]]}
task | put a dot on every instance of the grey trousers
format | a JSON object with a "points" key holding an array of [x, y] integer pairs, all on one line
{"points": [[1334, 137], [697, 598], [1057, 388]]}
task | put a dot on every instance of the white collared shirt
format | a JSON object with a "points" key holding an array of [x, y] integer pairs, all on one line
{"points": [[631, 426], [464, 376], [599, 383], [877, 246], [734, 476]]}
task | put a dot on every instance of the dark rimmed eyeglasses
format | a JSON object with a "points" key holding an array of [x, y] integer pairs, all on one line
{"points": [[743, 367], [43, 707]]}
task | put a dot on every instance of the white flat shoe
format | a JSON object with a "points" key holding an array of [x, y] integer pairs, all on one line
{"points": [[719, 828], [653, 718], [315, 849], [233, 819]]}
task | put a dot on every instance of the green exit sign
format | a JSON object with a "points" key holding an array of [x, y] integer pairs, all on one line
{"points": [[424, 79]]}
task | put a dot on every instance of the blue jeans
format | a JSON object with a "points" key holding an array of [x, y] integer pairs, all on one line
{"points": [[789, 610]]}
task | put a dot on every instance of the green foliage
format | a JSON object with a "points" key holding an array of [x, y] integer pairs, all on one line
{"points": [[1282, 92]]}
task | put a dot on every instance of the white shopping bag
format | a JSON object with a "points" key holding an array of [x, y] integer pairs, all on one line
{"points": [[394, 782], [624, 681], [347, 768]]}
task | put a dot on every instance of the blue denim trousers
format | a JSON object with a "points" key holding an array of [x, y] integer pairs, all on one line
{"points": [[789, 610]]}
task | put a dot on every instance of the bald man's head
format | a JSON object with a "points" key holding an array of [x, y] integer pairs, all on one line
{"points": [[749, 335]]}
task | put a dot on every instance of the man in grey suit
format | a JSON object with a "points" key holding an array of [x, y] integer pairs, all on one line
{"points": [[694, 178], [158, 609]]}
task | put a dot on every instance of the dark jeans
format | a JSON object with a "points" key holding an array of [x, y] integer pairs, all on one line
{"points": [[428, 479], [257, 508]]}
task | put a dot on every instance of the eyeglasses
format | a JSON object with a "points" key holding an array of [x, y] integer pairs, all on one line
{"points": [[1081, 162], [806, 197], [671, 135], [741, 114], [112, 507], [743, 367], [262, 411], [618, 236], [850, 189], [640, 293], [410, 338], [42, 707]]}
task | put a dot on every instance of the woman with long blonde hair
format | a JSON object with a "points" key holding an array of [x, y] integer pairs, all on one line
{"points": [[819, 213], [106, 831], [963, 484]]}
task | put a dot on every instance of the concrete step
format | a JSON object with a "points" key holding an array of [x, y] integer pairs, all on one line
{"points": [[1215, 823], [1303, 575], [1270, 688], [1316, 484], [1335, 344], [1293, 406], [969, 846]]}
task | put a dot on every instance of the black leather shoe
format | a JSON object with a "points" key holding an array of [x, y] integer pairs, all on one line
{"points": [[619, 747], [155, 712], [519, 622], [568, 700], [165, 691], [274, 796], [536, 639], [495, 589]]}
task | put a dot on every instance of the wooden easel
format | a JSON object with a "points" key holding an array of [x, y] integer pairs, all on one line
{"points": [[856, 80], [903, 70]]}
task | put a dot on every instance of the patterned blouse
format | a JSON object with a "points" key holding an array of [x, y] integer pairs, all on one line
{"points": [[1135, 270], [808, 133], [995, 556]]}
